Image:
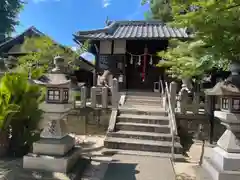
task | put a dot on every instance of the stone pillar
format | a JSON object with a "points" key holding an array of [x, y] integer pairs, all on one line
{"points": [[93, 97], [183, 98], [83, 97], [115, 93], [224, 163], [104, 97], [173, 93]]}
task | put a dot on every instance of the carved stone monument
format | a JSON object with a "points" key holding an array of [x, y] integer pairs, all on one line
{"points": [[55, 151], [224, 163]]}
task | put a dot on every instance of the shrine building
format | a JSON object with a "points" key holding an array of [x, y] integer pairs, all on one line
{"points": [[128, 49]]}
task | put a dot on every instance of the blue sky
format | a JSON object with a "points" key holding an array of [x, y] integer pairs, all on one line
{"points": [[61, 18]]}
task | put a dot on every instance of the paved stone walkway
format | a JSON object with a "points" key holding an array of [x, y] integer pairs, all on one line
{"points": [[130, 167], [104, 167]]}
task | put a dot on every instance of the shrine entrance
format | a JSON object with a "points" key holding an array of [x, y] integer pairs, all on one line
{"points": [[141, 64]]}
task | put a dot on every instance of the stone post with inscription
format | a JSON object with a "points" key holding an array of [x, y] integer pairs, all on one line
{"points": [[55, 151]]}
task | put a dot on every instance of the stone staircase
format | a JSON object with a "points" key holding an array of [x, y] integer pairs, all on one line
{"points": [[142, 127]]}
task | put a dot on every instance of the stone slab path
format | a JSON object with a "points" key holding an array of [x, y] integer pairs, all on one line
{"points": [[130, 167]]}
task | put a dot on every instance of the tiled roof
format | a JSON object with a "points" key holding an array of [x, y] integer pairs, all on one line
{"points": [[134, 30]]}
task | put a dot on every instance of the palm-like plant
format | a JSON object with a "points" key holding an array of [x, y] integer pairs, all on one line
{"points": [[24, 99]]}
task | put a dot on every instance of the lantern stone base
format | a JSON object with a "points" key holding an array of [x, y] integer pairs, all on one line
{"points": [[222, 165], [57, 147], [52, 163], [56, 155], [216, 173]]}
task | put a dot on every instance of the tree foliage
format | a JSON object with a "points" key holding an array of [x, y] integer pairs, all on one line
{"points": [[9, 10], [188, 59], [40, 54], [216, 23], [215, 29], [84, 47], [159, 9]]}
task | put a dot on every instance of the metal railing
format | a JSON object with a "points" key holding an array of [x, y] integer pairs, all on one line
{"points": [[172, 118]]}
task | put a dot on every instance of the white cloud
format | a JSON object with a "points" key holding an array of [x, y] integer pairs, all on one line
{"points": [[106, 3]]}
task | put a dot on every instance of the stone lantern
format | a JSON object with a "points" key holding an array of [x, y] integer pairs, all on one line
{"points": [[55, 151], [224, 163]]}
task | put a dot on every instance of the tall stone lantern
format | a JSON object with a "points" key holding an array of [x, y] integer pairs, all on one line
{"points": [[55, 150], [224, 163]]}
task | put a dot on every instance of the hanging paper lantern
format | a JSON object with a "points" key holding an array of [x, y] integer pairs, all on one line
{"points": [[151, 61], [139, 60]]}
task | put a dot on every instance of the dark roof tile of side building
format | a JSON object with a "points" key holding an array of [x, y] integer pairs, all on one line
{"points": [[134, 30], [31, 29]]}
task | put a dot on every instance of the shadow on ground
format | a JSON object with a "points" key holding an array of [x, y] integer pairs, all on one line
{"points": [[120, 171]]}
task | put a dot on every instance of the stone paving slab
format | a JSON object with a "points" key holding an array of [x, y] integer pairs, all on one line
{"points": [[129, 167]]}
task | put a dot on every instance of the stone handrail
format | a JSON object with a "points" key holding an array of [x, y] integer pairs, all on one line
{"points": [[171, 102], [114, 114]]}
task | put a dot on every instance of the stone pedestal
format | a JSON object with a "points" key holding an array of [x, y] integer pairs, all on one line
{"points": [[55, 150], [224, 164]]}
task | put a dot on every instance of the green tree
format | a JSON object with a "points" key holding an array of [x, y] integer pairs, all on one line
{"points": [[215, 29], [159, 9], [189, 59], [9, 10], [40, 54], [84, 47], [216, 23]]}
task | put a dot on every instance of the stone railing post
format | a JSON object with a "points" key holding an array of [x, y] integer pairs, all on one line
{"points": [[183, 101], [173, 93], [104, 97], [196, 103], [83, 97], [93, 97], [115, 93]]}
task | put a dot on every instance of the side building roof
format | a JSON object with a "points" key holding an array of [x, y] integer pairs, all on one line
{"points": [[13, 46]]}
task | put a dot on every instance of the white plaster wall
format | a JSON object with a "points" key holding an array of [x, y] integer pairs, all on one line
{"points": [[119, 47], [105, 47]]}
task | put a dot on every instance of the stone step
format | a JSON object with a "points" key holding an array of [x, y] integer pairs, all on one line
{"points": [[177, 157], [142, 135], [147, 119], [142, 110], [128, 126], [144, 99], [144, 103], [141, 145], [148, 94]]}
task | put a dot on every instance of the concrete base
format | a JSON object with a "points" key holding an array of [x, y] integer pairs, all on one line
{"points": [[216, 173], [52, 163], [55, 147], [226, 161]]}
